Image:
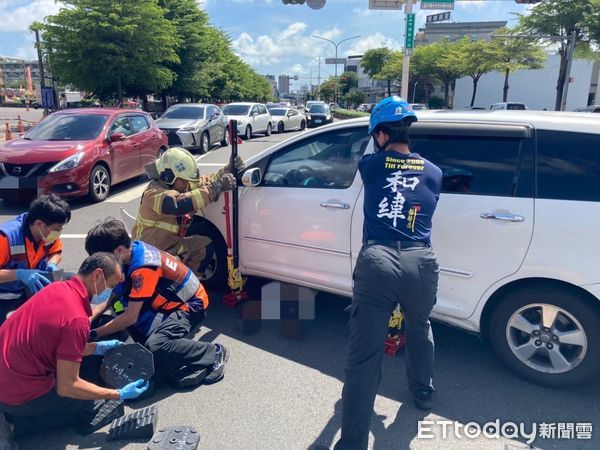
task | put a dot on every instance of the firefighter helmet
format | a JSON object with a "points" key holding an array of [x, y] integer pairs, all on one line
{"points": [[176, 163]]}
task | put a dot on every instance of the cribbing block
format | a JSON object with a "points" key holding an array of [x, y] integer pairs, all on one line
{"points": [[105, 414], [175, 438], [126, 364], [137, 425]]}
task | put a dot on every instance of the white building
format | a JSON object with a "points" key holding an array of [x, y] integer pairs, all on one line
{"points": [[535, 88]]}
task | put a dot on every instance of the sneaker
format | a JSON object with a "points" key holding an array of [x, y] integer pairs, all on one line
{"points": [[423, 399], [187, 378], [218, 369], [6, 434]]}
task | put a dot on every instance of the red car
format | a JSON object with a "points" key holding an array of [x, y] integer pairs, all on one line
{"points": [[79, 152]]}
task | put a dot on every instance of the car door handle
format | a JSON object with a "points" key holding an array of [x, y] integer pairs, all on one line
{"points": [[335, 205], [504, 217]]}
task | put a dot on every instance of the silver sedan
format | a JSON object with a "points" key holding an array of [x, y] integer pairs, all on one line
{"points": [[287, 119], [195, 126]]}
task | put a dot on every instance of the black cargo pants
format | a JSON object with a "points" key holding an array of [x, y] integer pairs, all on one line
{"points": [[383, 277]]}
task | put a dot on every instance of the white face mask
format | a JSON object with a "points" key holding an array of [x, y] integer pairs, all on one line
{"points": [[102, 296], [51, 237]]}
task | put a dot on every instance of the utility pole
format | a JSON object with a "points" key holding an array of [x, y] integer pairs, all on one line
{"points": [[38, 46], [570, 57], [408, 9]]}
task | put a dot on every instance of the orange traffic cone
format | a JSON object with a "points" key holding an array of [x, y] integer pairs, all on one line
{"points": [[8, 133], [20, 127]]}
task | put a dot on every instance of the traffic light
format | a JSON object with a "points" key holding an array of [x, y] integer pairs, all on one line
{"points": [[293, 2], [527, 2]]}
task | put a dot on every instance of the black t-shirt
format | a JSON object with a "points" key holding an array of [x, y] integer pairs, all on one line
{"points": [[400, 196]]}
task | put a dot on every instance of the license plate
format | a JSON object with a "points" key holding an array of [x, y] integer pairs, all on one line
{"points": [[318, 121], [9, 183]]}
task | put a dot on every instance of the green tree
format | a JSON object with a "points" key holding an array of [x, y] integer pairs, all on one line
{"points": [[440, 61], [554, 21], [328, 89], [193, 35], [347, 82], [476, 58], [516, 53], [373, 63], [111, 47], [354, 98], [392, 69]]}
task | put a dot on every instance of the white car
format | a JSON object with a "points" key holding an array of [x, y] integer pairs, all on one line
{"points": [[287, 119], [252, 118], [516, 229]]}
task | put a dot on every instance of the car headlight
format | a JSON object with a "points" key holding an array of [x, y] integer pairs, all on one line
{"points": [[67, 163], [308, 117], [192, 128]]}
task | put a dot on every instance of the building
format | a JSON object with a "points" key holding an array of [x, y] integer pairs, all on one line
{"points": [[273, 83], [434, 32], [14, 72], [372, 89], [535, 88], [283, 84]]}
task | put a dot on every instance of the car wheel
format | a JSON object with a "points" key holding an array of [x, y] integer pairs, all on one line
{"points": [[226, 136], [248, 133], [548, 336], [269, 129], [303, 125], [204, 142], [213, 270], [99, 183], [280, 127]]}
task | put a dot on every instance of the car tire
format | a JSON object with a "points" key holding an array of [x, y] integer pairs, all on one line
{"points": [[204, 142], [269, 129], [280, 128], [248, 133], [99, 184], [519, 337], [303, 125], [226, 138], [213, 270]]}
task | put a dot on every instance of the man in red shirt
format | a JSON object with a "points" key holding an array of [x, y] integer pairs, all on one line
{"points": [[41, 349]]}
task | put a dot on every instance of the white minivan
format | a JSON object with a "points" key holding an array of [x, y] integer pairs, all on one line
{"points": [[516, 229]]}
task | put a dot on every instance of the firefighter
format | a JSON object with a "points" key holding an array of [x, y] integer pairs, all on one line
{"points": [[30, 246], [160, 302], [175, 193]]}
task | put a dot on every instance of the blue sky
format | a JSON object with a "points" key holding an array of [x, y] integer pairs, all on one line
{"points": [[272, 37]]}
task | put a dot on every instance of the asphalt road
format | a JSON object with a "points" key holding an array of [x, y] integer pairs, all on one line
{"points": [[284, 394]]}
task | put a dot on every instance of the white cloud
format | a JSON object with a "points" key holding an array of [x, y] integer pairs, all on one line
{"points": [[372, 41], [297, 69], [17, 16]]}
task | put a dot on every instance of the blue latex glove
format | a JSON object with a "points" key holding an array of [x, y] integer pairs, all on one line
{"points": [[102, 347], [133, 390], [32, 278], [51, 267]]}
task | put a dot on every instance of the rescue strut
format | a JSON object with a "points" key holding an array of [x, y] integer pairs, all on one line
{"points": [[234, 276]]}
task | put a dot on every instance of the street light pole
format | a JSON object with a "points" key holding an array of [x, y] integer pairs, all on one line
{"points": [[406, 62], [336, 45]]}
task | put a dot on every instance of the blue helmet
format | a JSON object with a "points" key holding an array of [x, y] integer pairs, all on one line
{"points": [[391, 109]]}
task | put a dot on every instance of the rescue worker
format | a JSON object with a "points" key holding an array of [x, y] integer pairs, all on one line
{"points": [[30, 245], [42, 346], [160, 301], [395, 265], [175, 193]]}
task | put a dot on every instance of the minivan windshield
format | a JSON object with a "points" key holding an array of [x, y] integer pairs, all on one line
{"points": [[68, 127], [184, 112], [318, 109], [236, 110]]}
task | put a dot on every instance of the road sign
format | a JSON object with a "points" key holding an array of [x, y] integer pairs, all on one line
{"points": [[385, 4], [437, 4], [409, 39], [335, 61], [441, 17]]}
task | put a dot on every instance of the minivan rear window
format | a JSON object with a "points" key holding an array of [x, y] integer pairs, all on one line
{"points": [[568, 166]]}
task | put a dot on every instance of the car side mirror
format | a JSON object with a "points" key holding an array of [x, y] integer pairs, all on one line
{"points": [[116, 137], [251, 177], [254, 114]]}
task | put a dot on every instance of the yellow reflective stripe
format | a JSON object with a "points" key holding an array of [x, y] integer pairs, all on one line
{"points": [[156, 224], [158, 203], [198, 199]]}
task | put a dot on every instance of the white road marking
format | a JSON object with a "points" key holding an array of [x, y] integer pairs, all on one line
{"points": [[73, 236]]}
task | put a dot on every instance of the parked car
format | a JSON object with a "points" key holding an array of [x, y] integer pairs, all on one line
{"points": [[515, 230], [195, 126], [77, 152], [516, 106], [252, 118], [287, 119], [319, 114], [591, 108]]}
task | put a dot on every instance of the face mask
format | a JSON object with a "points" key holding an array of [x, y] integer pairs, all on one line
{"points": [[102, 296], [51, 237]]}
